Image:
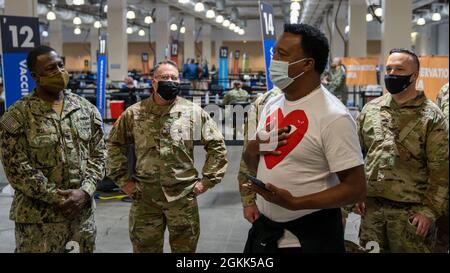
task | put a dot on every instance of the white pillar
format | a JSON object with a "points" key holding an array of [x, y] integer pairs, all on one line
{"points": [[357, 43], [117, 44], [337, 45], [396, 26], [189, 37], [21, 8], [206, 43], [162, 32], [218, 43], [94, 40], [55, 36]]}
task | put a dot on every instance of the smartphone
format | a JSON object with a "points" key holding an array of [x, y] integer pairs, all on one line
{"points": [[257, 182]]}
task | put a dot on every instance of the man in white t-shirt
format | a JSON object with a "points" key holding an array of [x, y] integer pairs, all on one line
{"points": [[312, 162]]}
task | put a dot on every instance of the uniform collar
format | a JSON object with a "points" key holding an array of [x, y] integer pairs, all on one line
{"points": [[42, 108], [416, 102]]}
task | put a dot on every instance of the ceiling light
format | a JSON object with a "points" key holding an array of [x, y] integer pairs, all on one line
{"points": [[51, 15], [129, 30], [379, 12], [369, 17], [232, 26], [219, 19], [226, 23], [97, 24], [44, 33], [173, 27], [436, 16], [78, 2], [105, 8], [199, 7], [210, 14], [295, 6], [183, 29], [421, 21], [148, 20], [183, 1], [141, 32], [237, 29], [77, 31], [77, 20], [131, 15], [241, 32]]}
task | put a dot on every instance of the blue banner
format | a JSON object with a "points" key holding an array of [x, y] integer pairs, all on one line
{"points": [[19, 36], [223, 67], [268, 36], [101, 84]]}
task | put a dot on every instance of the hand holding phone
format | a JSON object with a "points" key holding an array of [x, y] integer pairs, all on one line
{"points": [[257, 182]]}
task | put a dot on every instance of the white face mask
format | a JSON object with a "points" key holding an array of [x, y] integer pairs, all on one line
{"points": [[279, 73]]}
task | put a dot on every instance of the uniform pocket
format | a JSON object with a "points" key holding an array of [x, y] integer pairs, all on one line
{"points": [[43, 149]]}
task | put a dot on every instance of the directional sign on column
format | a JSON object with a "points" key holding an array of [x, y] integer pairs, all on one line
{"points": [[268, 36], [19, 36]]}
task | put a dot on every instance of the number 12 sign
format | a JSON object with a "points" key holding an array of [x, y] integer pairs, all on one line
{"points": [[19, 36], [268, 35]]}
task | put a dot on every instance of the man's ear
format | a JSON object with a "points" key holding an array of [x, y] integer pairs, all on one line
{"points": [[309, 64]]}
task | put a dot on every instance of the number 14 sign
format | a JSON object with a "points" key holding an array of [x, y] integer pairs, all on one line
{"points": [[268, 35], [19, 36]]}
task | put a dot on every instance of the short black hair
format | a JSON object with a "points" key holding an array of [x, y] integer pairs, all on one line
{"points": [[35, 53], [169, 62], [314, 43], [410, 53]]}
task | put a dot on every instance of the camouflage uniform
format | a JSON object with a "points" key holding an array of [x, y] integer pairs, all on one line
{"points": [[248, 197], [337, 84], [442, 222], [406, 167], [442, 100], [165, 174], [42, 152], [235, 96]]}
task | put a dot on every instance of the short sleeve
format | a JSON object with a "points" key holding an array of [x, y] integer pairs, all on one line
{"points": [[341, 144]]}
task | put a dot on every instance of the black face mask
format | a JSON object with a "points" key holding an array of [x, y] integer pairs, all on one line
{"points": [[168, 90], [396, 83]]}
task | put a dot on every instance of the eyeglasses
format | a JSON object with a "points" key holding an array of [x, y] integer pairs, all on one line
{"points": [[167, 77]]}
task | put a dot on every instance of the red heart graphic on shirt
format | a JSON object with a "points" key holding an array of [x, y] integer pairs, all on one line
{"points": [[296, 118]]}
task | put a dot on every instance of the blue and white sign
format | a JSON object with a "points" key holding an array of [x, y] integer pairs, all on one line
{"points": [[19, 36], [268, 36], [223, 67], [101, 84]]}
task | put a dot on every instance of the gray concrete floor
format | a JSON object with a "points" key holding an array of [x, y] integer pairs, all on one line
{"points": [[223, 228]]}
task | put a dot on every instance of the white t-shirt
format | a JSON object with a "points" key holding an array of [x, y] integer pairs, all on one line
{"points": [[322, 141]]}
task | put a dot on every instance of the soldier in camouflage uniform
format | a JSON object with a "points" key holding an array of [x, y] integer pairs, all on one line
{"points": [[53, 153], [405, 138], [236, 95], [336, 83], [442, 222], [248, 197], [165, 183]]}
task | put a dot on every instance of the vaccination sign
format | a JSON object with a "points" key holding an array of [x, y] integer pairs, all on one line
{"points": [[19, 36], [433, 75], [268, 36], [361, 70]]}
